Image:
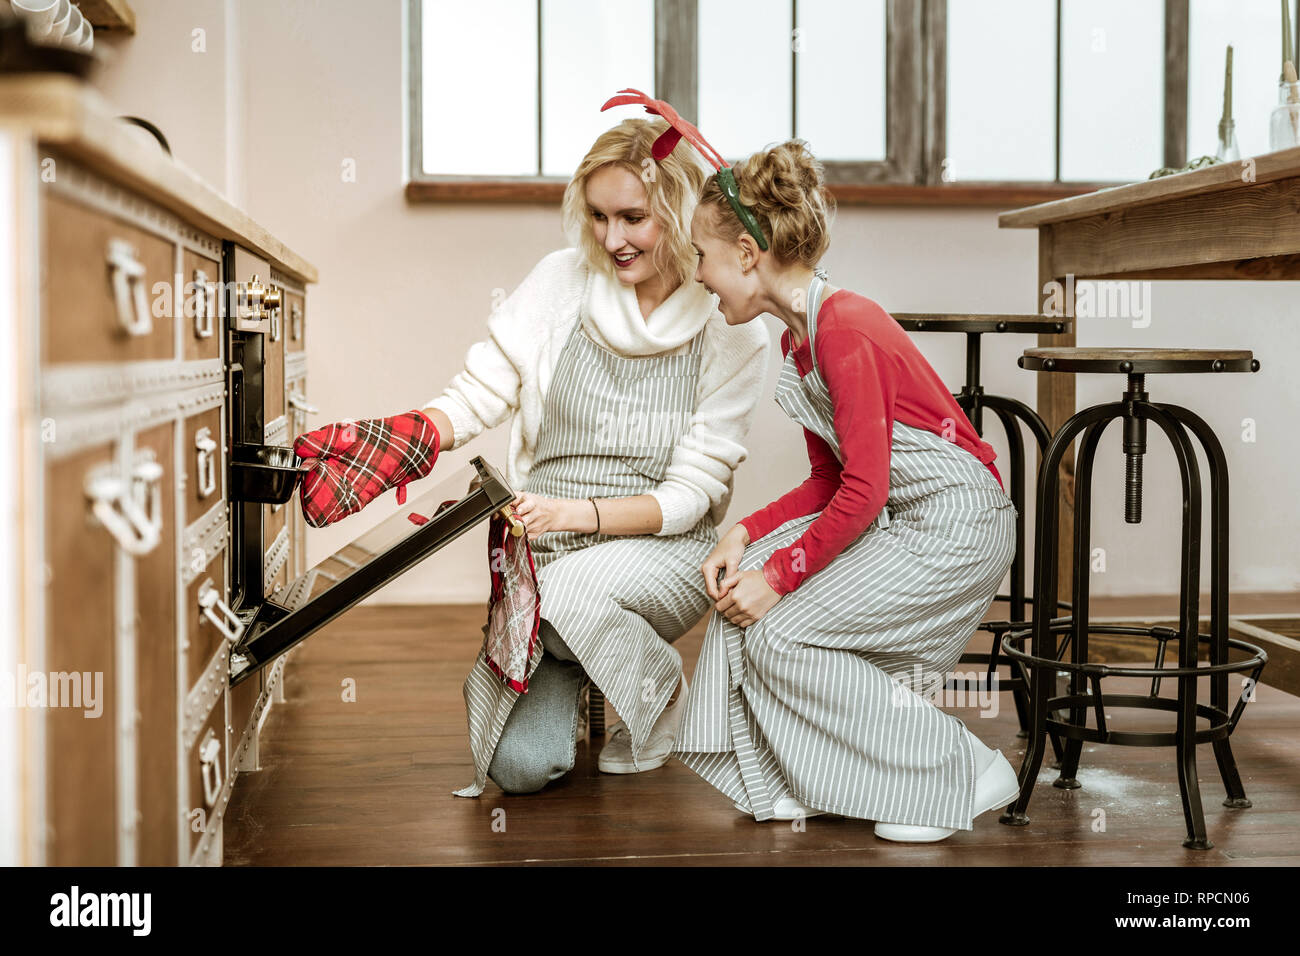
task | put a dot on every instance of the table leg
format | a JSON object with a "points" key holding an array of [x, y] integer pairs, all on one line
{"points": [[1056, 400]]}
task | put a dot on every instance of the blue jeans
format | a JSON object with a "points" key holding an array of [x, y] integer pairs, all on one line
{"points": [[539, 741]]}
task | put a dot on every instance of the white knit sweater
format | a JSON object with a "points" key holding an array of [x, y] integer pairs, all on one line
{"points": [[507, 375]]}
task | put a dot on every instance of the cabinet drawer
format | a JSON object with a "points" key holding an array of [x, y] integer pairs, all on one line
{"points": [[80, 750], [205, 473], [97, 286], [201, 325], [208, 769], [206, 618], [155, 652], [295, 325]]}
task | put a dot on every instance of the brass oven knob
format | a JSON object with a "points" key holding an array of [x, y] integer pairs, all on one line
{"points": [[254, 294], [271, 299]]}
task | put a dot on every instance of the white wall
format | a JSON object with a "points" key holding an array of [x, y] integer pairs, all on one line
{"points": [[290, 90]]}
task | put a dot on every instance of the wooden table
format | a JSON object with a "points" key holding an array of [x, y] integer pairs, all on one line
{"points": [[1229, 221]]}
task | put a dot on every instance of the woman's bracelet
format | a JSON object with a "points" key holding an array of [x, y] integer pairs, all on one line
{"points": [[593, 504]]}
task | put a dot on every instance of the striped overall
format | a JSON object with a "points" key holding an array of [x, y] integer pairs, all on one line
{"points": [[610, 425], [823, 697]]}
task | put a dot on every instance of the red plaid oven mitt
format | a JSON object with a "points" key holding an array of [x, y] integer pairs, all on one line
{"points": [[353, 463]]}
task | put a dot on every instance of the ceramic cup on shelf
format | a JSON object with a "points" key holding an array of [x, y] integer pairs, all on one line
{"points": [[73, 30], [39, 15], [62, 16], [85, 40]]}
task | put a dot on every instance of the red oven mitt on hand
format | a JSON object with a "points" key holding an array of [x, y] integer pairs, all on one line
{"points": [[353, 463]]}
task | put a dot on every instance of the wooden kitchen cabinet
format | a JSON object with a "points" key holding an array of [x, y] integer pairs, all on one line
{"points": [[116, 272]]}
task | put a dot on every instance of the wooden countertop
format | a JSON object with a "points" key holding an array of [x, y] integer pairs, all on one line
{"points": [[1251, 171], [63, 112]]}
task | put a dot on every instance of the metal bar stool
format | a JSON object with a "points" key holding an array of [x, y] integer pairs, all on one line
{"points": [[591, 712], [973, 400], [1085, 693]]}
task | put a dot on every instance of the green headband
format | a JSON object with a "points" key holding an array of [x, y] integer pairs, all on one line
{"points": [[727, 183]]}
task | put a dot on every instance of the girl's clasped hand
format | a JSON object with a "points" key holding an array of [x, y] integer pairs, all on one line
{"points": [[742, 597]]}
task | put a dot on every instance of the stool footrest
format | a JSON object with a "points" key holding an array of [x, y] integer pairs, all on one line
{"points": [[1135, 738]]}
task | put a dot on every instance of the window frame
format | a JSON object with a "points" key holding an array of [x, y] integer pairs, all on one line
{"points": [[916, 70]]}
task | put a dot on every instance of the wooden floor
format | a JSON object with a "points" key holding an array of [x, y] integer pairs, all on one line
{"points": [[369, 782]]}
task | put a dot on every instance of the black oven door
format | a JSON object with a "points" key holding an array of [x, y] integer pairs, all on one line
{"points": [[424, 525]]}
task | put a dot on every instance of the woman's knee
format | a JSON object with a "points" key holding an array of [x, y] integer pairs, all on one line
{"points": [[525, 764]]}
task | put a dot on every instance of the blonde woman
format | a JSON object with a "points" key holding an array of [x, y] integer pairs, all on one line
{"points": [[847, 595], [628, 397]]}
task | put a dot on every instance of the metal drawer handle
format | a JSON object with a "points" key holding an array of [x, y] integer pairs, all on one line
{"points": [[202, 307], [275, 324], [128, 288], [299, 401], [296, 326], [132, 529], [206, 461], [211, 604], [209, 755], [146, 482]]}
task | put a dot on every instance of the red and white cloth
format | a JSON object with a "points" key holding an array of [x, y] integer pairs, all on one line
{"points": [[515, 607], [353, 463]]}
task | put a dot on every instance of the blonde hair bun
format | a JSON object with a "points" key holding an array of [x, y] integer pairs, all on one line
{"points": [[785, 186]]}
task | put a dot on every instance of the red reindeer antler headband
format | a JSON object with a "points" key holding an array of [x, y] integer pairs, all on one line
{"points": [[678, 128]]}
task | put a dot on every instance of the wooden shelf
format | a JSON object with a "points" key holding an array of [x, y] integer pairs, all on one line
{"points": [[108, 14], [994, 195]]}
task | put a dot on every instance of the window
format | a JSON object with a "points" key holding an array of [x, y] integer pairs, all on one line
{"points": [[1063, 94], [513, 87], [843, 74]]}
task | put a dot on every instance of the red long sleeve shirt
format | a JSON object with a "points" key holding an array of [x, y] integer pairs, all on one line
{"points": [[876, 376]]}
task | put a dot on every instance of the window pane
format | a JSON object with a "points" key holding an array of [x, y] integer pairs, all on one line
{"points": [[591, 49], [479, 87], [1001, 113], [840, 94], [1112, 89], [745, 60], [1254, 28]]}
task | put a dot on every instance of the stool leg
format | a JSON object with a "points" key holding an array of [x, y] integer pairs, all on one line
{"points": [[1236, 793], [1188, 623], [1079, 597], [1011, 413], [595, 711], [1046, 533]]}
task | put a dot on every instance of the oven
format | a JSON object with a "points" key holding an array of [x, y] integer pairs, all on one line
{"points": [[263, 476]]}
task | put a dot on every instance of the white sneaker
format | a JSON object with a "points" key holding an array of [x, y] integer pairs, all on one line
{"points": [[997, 786], [786, 808], [616, 755]]}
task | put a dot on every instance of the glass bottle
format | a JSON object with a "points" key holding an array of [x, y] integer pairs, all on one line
{"points": [[1284, 124]]}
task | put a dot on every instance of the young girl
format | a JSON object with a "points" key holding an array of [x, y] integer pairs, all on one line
{"points": [[849, 594]]}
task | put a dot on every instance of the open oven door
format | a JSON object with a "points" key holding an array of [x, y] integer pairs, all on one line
{"points": [[424, 525]]}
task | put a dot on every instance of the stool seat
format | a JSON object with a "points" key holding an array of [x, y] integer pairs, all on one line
{"points": [[980, 322], [1126, 361]]}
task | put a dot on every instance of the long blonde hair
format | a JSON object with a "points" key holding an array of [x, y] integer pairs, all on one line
{"points": [[672, 188]]}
